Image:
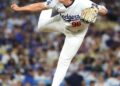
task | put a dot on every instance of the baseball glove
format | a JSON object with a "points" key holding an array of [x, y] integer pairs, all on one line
{"points": [[89, 15]]}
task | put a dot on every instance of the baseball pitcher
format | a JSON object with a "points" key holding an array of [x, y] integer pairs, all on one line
{"points": [[72, 19]]}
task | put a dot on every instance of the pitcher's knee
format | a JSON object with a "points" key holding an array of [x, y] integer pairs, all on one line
{"points": [[66, 57], [40, 28], [65, 61]]}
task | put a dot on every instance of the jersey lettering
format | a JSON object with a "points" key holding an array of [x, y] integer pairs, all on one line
{"points": [[70, 18]]}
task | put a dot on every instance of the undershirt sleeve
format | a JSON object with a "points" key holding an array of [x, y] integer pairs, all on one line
{"points": [[51, 3]]}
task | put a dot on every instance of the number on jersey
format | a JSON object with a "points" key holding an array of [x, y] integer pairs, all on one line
{"points": [[76, 23]]}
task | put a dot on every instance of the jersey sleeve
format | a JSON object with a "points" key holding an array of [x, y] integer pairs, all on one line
{"points": [[51, 3], [88, 4]]}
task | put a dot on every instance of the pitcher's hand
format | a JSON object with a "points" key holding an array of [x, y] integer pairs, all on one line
{"points": [[15, 7]]}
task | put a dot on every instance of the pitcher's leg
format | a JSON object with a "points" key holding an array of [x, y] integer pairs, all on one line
{"points": [[47, 23], [69, 50], [44, 17]]}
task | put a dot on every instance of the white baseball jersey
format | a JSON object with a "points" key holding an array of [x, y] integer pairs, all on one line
{"points": [[71, 14]]}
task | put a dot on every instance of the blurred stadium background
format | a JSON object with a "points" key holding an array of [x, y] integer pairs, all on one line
{"points": [[29, 59]]}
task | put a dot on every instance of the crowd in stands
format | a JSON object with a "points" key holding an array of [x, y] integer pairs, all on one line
{"points": [[30, 59]]}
